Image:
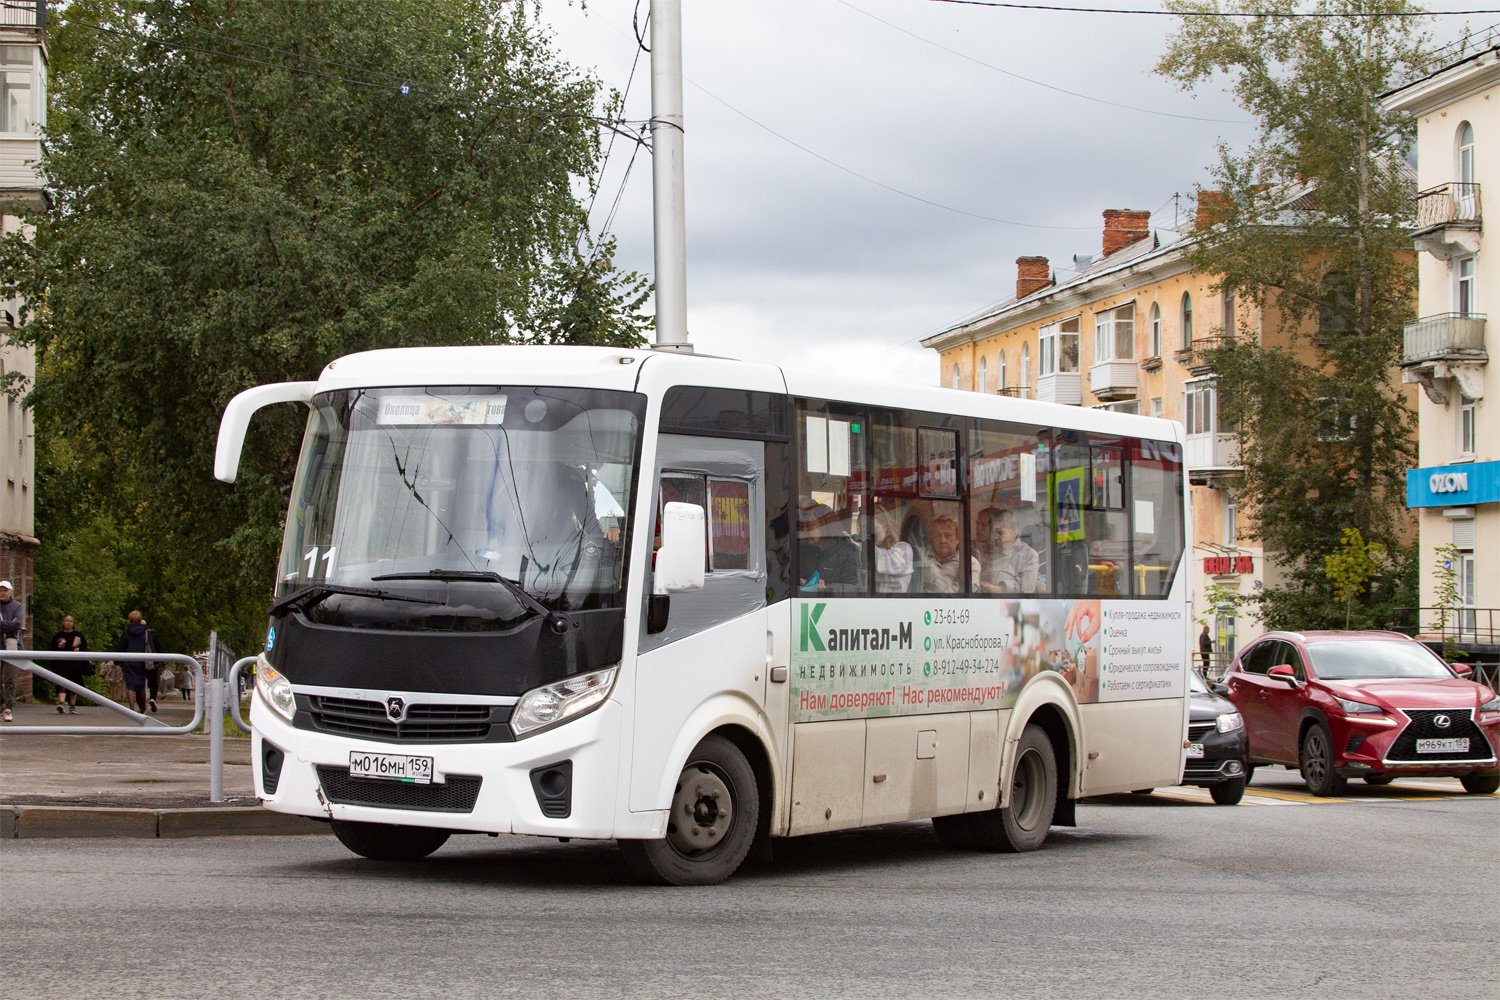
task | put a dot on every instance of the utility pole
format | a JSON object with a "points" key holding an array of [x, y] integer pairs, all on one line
{"points": [[670, 228]]}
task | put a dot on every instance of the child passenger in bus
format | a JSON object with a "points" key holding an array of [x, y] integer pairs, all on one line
{"points": [[894, 559]]}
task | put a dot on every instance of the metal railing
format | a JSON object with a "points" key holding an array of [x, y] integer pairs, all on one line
{"points": [[211, 688], [1443, 335], [1014, 391], [1446, 204]]}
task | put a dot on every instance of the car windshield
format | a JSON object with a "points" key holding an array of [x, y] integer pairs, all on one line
{"points": [[1196, 684], [1367, 659], [432, 494]]}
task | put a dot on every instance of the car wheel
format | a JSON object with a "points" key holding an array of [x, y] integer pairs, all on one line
{"points": [[715, 809], [954, 831], [1023, 825], [384, 842], [1317, 762], [1228, 793], [1480, 784], [1249, 773], [1379, 779]]}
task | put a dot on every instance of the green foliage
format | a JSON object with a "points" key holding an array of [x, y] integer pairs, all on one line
{"points": [[1449, 599], [1352, 567], [1220, 597], [1311, 225], [242, 194], [1306, 601]]}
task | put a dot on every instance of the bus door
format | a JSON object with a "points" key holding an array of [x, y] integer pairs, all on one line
{"points": [[712, 641]]}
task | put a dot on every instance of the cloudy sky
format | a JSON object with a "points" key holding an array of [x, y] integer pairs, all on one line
{"points": [[795, 259]]}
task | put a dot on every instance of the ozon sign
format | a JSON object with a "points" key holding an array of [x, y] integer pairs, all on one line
{"points": [[1448, 482]]}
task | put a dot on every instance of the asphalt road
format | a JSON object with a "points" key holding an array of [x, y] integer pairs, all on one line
{"points": [[1388, 892]]}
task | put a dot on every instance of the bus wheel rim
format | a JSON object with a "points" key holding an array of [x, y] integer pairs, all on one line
{"points": [[1026, 789], [702, 811]]}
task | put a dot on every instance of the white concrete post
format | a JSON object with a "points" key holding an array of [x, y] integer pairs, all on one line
{"points": [[670, 227], [215, 685]]}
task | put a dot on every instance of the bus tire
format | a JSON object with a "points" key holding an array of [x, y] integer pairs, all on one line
{"points": [[1023, 825], [384, 842], [715, 811], [956, 832]]}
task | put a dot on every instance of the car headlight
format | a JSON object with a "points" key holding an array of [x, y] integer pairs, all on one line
{"points": [[275, 689], [1493, 705], [1230, 721], [550, 704], [1357, 707]]}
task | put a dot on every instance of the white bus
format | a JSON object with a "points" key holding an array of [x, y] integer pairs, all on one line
{"points": [[692, 604]]}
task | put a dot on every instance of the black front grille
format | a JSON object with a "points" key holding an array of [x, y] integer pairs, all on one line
{"points": [[1355, 742], [1198, 730], [424, 722], [1424, 727], [458, 794]]}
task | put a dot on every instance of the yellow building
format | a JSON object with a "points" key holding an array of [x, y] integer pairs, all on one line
{"points": [[1127, 331]]}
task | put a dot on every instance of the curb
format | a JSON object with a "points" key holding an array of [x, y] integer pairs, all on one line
{"points": [[32, 822]]}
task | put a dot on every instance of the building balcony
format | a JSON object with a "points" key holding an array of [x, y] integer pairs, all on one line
{"points": [[1111, 380], [1211, 459], [1060, 387], [1447, 346], [1449, 220], [1195, 358], [1014, 391]]}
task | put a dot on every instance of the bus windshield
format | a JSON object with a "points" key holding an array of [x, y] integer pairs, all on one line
{"points": [[460, 508]]}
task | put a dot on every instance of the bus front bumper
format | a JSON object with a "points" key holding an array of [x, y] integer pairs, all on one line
{"points": [[477, 787]]}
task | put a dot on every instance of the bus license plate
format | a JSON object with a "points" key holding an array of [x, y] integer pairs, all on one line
{"points": [[1195, 750], [1443, 746], [391, 767]]}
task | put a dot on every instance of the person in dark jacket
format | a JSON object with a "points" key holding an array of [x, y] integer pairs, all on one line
{"points": [[12, 621], [136, 638], [1205, 648], [69, 640]]}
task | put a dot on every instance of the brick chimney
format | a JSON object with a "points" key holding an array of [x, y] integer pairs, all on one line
{"points": [[1213, 208], [1032, 275], [1124, 226]]}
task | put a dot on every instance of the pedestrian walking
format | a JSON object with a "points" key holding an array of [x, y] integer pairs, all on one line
{"points": [[12, 619], [1205, 648], [69, 640], [136, 638]]}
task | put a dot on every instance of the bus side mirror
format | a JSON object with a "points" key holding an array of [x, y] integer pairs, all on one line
{"points": [[684, 541], [236, 421]]}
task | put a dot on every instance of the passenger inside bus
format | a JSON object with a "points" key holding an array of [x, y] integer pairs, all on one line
{"points": [[830, 562], [894, 559], [942, 560], [1007, 564]]}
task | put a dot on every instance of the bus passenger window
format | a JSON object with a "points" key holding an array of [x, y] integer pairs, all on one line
{"points": [[729, 524], [1156, 515], [678, 487], [893, 489], [1007, 501], [832, 524]]}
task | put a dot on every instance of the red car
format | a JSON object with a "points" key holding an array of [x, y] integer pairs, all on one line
{"points": [[1371, 705]]}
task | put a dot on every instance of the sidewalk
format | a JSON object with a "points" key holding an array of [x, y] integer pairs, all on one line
{"points": [[131, 786]]}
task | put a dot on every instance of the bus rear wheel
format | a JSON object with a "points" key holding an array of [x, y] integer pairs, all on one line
{"points": [[715, 810], [384, 842], [1023, 825]]}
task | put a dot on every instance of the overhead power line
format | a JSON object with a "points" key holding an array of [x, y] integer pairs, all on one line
{"points": [[1039, 83], [1214, 13]]}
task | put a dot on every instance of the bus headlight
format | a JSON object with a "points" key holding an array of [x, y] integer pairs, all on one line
{"points": [[550, 704], [275, 689], [1229, 722]]}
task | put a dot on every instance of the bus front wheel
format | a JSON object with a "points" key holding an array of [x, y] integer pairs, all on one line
{"points": [[384, 842], [1023, 825], [715, 810]]}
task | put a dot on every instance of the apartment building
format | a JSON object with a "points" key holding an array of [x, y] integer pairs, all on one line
{"points": [[1456, 488], [23, 111]]}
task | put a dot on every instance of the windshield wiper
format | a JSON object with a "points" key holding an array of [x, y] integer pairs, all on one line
{"points": [[310, 595], [557, 622]]}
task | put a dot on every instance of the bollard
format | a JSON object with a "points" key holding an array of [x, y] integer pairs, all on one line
{"points": [[215, 721]]}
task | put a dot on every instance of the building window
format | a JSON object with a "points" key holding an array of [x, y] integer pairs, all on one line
{"points": [[1198, 409], [955, 376], [15, 88], [1155, 351], [1335, 305], [1187, 321], [1463, 292], [1231, 520], [984, 375], [1466, 153], [1226, 319], [1156, 406], [1000, 372], [1334, 422], [1057, 350], [1114, 334], [1025, 365], [1467, 426]]}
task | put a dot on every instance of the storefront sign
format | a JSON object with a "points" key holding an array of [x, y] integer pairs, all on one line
{"points": [[1453, 485], [1220, 565]]}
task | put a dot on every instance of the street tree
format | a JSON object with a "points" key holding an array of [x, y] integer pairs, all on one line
{"points": [[1311, 224], [245, 191]]}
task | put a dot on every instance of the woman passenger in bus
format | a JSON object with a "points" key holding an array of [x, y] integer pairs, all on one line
{"points": [[894, 559], [942, 561], [1010, 566]]}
